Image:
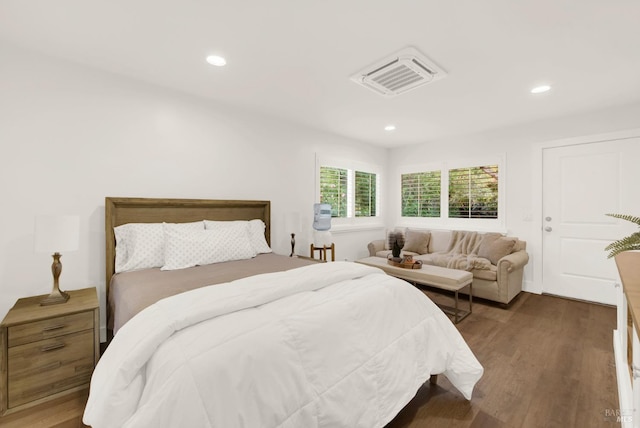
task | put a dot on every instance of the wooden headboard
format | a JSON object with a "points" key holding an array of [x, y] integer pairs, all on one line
{"points": [[120, 211]]}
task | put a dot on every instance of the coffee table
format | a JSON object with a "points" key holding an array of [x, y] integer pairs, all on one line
{"points": [[435, 276]]}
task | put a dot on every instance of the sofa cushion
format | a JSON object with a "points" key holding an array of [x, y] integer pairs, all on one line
{"points": [[520, 246], [490, 274], [427, 259], [439, 241], [383, 253], [416, 241], [494, 247]]}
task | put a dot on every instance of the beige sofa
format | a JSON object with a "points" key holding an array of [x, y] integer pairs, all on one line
{"points": [[496, 262]]}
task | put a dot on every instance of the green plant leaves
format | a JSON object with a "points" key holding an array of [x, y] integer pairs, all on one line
{"points": [[631, 242], [626, 217]]}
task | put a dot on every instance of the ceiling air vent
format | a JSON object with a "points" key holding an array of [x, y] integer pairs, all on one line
{"points": [[399, 73]]}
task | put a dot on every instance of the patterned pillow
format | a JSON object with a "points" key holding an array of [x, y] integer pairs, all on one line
{"points": [[186, 249], [141, 245], [255, 229]]}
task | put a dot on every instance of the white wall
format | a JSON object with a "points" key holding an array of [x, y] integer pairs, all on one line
{"points": [[521, 146], [71, 136]]}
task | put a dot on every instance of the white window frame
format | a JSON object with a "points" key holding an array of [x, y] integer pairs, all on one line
{"points": [[351, 221], [444, 222]]}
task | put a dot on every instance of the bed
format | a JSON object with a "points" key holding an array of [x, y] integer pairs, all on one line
{"points": [[278, 345], [130, 292]]}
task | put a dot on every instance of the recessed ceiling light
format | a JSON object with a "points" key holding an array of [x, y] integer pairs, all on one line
{"points": [[390, 128], [216, 60], [540, 89]]}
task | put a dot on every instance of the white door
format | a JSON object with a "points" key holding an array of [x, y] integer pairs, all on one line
{"points": [[582, 183]]}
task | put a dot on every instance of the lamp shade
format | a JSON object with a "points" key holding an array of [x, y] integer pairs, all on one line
{"points": [[292, 222], [56, 234]]}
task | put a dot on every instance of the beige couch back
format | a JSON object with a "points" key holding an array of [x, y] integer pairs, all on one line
{"points": [[440, 241]]}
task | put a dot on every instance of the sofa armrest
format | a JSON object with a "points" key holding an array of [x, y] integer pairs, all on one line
{"points": [[510, 275], [513, 261], [375, 246]]}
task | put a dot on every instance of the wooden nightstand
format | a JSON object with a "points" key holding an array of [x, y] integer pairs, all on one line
{"points": [[48, 351]]}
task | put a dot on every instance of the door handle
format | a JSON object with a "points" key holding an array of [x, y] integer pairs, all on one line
{"points": [[548, 229]]}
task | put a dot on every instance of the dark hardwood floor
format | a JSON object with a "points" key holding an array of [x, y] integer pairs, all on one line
{"points": [[548, 363], [64, 412]]}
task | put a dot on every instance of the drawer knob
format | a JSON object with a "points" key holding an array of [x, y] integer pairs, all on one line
{"points": [[53, 327], [52, 347]]}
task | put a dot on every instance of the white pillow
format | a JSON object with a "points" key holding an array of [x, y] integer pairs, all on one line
{"points": [[141, 245], [256, 234], [201, 247], [255, 229]]}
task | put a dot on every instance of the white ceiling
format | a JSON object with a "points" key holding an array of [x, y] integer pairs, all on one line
{"points": [[293, 58]]}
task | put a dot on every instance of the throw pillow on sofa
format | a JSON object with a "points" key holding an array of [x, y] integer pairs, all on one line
{"points": [[417, 241], [494, 247]]}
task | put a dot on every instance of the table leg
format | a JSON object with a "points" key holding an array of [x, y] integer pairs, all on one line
{"points": [[457, 313]]}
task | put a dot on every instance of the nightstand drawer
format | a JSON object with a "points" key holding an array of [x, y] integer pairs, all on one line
{"points": [[52, 327], [43, 368]]}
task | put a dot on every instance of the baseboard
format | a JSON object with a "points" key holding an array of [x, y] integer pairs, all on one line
{"points": [[579, 300], [530, 287]]}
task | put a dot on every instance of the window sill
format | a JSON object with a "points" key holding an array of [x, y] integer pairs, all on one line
{"points": [[453, 224], [347, 228]]}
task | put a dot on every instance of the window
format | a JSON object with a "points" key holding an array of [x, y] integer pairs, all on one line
{"points": [[473, 192], [333, 190], [366, 192], [351, 192], [457, 193], [421, 194]]}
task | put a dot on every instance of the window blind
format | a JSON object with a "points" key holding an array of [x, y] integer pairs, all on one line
{"points": [[333, 190], [473, 192], [365, 194], [421, 194]]}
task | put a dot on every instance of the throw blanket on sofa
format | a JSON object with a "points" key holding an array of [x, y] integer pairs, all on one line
{"points": [[462, 252], [326, 345]]}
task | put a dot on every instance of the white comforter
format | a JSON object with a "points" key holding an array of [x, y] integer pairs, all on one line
{"points": [[327, 345]]}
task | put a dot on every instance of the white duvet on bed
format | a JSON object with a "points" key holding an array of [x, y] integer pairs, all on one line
{"points": [[327, 345]]}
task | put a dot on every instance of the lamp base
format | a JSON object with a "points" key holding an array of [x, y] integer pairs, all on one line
{"points": [[293, 244], [55, 298]]}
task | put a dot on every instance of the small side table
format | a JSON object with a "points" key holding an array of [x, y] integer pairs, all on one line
{"points": [[48, 351], [323, 252]]}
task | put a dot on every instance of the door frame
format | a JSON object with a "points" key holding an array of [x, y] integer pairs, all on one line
{"points": [[536, 285]]}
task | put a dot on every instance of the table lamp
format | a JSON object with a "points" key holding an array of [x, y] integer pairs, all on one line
{"points": [[54, 234], [292, 223]]}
